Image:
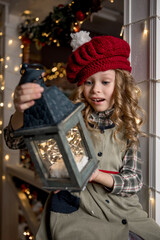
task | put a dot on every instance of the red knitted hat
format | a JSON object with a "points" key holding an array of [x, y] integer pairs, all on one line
{"points": [[101, 53]]}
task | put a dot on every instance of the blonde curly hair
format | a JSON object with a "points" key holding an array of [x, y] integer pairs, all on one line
{"points": [[128, 115]]}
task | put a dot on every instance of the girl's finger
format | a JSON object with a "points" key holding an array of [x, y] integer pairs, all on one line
{"points": [[24, 106], [26, 98]]}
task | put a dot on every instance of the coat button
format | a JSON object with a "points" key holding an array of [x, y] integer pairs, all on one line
{"points": [[124, 221], [100, 154], [107, 201]]}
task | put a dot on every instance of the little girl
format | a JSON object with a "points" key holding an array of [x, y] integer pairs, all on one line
{"points": [[109, 208]]}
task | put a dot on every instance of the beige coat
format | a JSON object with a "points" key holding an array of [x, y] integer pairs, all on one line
{"points": [[102, 215]]}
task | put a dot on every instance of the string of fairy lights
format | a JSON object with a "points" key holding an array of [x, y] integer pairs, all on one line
{"points": [[4, 63], [151, 190], [145, 22]]}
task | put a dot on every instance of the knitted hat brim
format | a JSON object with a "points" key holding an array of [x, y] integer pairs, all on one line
{"points": [[102, 65]]}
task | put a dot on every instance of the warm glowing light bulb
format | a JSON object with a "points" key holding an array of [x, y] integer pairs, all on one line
{"points": [[54, 69], [1, 33], [145, 31], [122, 31], [3, 177], [151, 199], [9, 105], [61, 75], [22, 46], [8, 58], [75, 29], [16, 68], [10, 42], [1, 122], [2, 88], [26, 233], [137, 120], [1, 104], [6, 66], [20, 55], [37, 19], [136, 91], [27, 12], [7, 157]]}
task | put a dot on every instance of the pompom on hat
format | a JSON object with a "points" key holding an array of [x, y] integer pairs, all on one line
{"points": [[101, 53]]}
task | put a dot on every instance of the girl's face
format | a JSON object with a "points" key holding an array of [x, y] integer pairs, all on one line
{"points": [[98, 90]]}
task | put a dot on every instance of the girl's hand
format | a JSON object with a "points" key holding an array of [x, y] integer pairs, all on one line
{"points": [[105, 179], [56, 191], [94, 175], [25, 94]]}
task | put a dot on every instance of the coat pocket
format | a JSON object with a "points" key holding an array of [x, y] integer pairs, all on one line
{"points": [[64, 202]]}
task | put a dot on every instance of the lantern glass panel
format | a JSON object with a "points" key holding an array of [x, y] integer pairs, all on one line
{"points": [[52, 158], [77, 147]]}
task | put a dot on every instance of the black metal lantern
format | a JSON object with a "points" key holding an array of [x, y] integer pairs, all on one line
{"points": [[56, 137]]}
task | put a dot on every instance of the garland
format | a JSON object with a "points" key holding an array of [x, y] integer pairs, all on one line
{"points": [[59, 24]]}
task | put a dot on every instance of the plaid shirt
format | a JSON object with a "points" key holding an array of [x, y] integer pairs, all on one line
{"points": [[127, 181], [12, 141]]}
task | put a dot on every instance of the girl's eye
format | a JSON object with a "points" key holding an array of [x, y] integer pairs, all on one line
{"points": [[88, 82], [105, 82]]}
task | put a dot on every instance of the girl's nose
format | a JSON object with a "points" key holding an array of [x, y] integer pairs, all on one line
{"points": [[96, 88]]}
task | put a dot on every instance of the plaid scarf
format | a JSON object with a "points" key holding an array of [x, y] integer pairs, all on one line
{"points": [[102, 120]]}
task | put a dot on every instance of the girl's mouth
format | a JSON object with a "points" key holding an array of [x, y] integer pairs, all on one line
{"points": [[97, 99]]}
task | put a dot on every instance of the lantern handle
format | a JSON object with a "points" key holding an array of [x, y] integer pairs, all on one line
{"points": [[32, 73]]}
